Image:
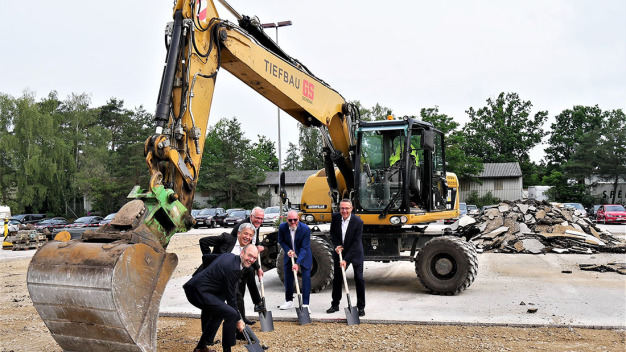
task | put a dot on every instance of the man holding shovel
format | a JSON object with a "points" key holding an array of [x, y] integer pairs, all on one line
{"points": [[346, 232], [295, 239], [209, 289]]}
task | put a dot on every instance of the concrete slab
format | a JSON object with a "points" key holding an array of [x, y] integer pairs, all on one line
{"points": [[393, 294]]}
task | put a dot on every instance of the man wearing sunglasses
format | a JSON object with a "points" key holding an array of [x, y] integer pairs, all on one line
{"points": [[295, 239]]}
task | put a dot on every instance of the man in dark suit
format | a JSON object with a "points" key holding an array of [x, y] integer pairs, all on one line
{"points": [[346, 231], [256, 219], [226, 243], [211, 287], [295, 239]]}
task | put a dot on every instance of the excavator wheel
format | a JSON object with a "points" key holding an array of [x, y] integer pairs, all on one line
{"points": [[100, 296], [322, 270], [447, 265]]}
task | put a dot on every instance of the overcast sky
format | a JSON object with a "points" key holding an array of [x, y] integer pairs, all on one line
{"points": [[405, 55]]}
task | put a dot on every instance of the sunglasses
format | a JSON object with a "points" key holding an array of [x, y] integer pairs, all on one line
{"points": [[292, 220]]}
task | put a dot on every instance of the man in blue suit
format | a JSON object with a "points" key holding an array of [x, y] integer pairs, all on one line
{"points": [[295, 238], [209, 289], [346, 232]]}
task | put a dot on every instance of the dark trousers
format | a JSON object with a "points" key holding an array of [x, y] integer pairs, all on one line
{"points": [[289, 283], [358, 280], [211, 318], [247, 279]]}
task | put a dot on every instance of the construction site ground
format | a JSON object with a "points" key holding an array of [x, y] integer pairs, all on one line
{"points": [[518, 302]]}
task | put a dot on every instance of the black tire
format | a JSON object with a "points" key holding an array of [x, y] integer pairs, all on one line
{"points": [[447, 265], [322, 271]]}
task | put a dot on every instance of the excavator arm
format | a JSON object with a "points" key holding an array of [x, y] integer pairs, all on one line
{"points": [[102, 292]]}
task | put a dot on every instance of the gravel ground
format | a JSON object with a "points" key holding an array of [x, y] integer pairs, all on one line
{"points": [[22, 329]]}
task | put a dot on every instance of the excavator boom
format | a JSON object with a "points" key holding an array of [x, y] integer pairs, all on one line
{"points": [[102, 292]]}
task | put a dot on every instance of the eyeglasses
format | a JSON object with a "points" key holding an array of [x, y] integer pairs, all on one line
{"points": [[344, 208], [292, 220], [256, 217]]}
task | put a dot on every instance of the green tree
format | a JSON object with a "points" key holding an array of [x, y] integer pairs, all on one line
{"points": [[263, 154], [310, 145], [229, 171], [465, 166], [377, 112], [503, 131], [601, 152], [292, 161], [569, 128], [89, 142]]}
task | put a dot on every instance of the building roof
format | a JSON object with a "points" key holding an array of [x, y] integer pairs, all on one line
{"points": [[291, 177], [501, 170]]}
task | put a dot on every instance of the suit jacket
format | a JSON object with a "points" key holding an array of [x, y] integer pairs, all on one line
{"points": [[223, 243], [303, 244], [353, 243], [217, 283]]}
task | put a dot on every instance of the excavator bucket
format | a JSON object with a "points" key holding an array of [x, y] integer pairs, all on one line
{"points": [[100, 297], [102, 292]]}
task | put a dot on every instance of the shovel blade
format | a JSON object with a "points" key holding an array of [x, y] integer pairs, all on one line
{"points": [[267, 323], [304, 317], [352, 316], [253, 344], [254, 347]]}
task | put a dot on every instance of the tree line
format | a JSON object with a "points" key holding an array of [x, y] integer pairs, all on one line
{"points": [[54, 152]]}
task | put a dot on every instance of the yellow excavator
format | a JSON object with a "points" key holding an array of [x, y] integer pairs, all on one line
{"points": [[102, 292]]}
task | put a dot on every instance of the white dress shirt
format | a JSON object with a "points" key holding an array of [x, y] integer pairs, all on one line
{"points": [[344, 228]]}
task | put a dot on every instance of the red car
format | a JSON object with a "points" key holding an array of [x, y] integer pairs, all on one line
{"points": [[611, 213]]}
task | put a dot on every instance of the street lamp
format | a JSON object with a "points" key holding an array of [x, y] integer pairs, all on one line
{"points": [[280, 205]]}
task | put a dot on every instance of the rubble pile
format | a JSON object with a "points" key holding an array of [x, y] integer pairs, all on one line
{"points": [[535, 227]]}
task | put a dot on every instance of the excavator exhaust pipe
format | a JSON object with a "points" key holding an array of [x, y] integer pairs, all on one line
{"points": [[100, 297]]}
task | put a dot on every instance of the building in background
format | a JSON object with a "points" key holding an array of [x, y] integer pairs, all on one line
{"points": [[503, 180]]}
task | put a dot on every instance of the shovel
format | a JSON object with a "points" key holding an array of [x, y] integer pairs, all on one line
{"points": [[253, 344], [265, 317], [304, 316], [352, 313]]}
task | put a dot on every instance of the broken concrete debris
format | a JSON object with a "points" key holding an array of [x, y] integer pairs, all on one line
{"points": [[619, 268], [535, 227]]}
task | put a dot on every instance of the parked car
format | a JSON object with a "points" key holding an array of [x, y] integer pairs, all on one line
{"points": [[462, 211], [207, 217], [594, 211], [107, 219], [52, 223], [485, 207], [272, 214], [87, 221], [235, 217], [195, 212], [579, 209], [219, 219], [472, 209], [29, 218], [611, 213]]}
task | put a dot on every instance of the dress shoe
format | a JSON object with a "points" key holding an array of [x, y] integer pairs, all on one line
{"points": [[248, 321], [259, 308], [206, 349], [286, 305], [215, 342], [332, 309], [361, 312]]}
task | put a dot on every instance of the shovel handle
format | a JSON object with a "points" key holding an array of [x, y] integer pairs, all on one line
{"points": [[295, 276], [262, 288], [343, 272]]}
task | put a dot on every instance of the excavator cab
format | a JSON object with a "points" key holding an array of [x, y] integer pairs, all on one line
{"points": [[400, 168]]}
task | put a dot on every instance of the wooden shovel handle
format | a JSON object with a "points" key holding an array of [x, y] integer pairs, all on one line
{"points": [[295, 276], [343, 271]]}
